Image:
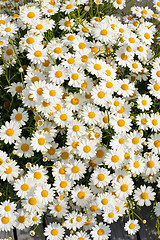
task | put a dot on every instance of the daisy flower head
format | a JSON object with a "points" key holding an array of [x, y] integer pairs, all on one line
{"points": [[19, 116], [63, 117], [9, 171], [41, 141], [105, 200], [63, 184], [29, 15], [75, 221], [144, 195], [114, 158], [58, 74], [144, 102], [86, 148], [136, 165], [37, 53], [76, 129], [69, 6], [44, 193], [153, 143], [118, 141], [90, 114], [123, 57], [52, 93], [103, 32], [81, 195], [36, 91], [22, 219], [96, 66], [120, 124], [58, 207], [10, 132], [146, 35], [23, 147], [135, 140], [3, 157], [110, 215], [23, 186], [7, 222], [123, 188], [75, 169], [135, 66], [154, 88], [76, 77], [7, 208], [132, 226], [152, 164], [56, 49], [66, 24], [142, 121], [38, 174], [101, 177], [125, 88], [101, 231], [99, 96], [119, 4], [153, 122], [54, 231]]}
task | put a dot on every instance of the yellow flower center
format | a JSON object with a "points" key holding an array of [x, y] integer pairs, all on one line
{"points": [[93, 208], [64, 155], [71, 60], [143, 121], [158, 73], [94, 49], [58, 74], [104, 201], [144, 102], [111, 215], [100, 153], [136, 164], [74, 101], [144, 195], [37, 175], [63, 117], [75, 76], [124, 188], [132, 226], [8, 170], [124, 57], [44, 193], [32, 201], [105, 119], [140, 49], [91, 115], [109, 84], [115, 158], [135, 140], [10, 132], [69, 6], [39, 26], [62, 170], [18, 116], [124, 87], [7, 29], [82, 45], [155, 122], [52, 93], [71, 38], [58, 208], [86, 149], [150, 164], [75, 128], [58, 50], [37, 53], [97, 66], [121, 123], [101, 177], [63, 184], [75, 169], [7, 208], [157, 143], [104, 32], [54, 232], [81, 195], [156, 87], [127, 156], [67, 23], [121, 141], [35, 79], [34, 219], [9, 52], [100, 232], [25, 187], [40, 91], [41, 141], [5, 220], [134, 65], [84, 58], [51, 151], [21, 219], [129, 49], [31, 15], [101, 94], [147, 35]]}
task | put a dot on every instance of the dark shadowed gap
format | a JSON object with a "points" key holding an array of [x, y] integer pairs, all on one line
{"points": [[138, 236], [15, 234]]}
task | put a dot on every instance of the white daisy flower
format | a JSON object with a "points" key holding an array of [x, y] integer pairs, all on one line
{"points": [[81, 195], [23, 186], [54, 231], [100, 232], [44, 193], [75, 170], [123, 188], [86, 148], [144, 195], [10, 132], [100, 177], [144, 102], [132, 226]]}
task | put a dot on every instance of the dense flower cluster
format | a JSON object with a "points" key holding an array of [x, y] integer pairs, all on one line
{"points": [[84, 136]]}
